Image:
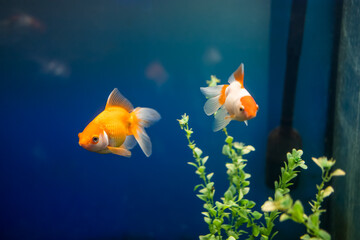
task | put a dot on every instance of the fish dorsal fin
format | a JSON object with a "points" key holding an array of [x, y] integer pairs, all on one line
{"points": [[238, 75], [117, 100]]}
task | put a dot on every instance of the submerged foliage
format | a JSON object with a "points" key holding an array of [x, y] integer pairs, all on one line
{"points": [[232, 216]]}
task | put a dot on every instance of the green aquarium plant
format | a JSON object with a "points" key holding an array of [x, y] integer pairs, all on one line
{"points": [[232, 216]]}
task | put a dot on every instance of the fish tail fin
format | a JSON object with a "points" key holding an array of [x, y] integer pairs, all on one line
{"points": [[216, 98], [140, 119]]}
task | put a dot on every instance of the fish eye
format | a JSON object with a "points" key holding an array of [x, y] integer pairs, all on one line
{"points": [[95, 139], [241, 109]]}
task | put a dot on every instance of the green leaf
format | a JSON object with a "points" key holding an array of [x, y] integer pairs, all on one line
{"points": [[229, 139], [217, 223], [241, 195], [197, 152], [219, 205], [324, 235], [193, 164], [226, 150], [213, 81], [256, 215], [250, 204], [209, 176], [232, 188], [297, 212], [284, 217], [207, 206], [303, 166], [247, 176], [228, 195], [200, 170], [247, 149], [274, 235], [201, 196], [285, 202], [204, 160], [204, 191], [206, 237], [305, 237], [256, 230], [226, 226], [206, 214], [327, 191], [230, 166], [337, 172], [212, 212], [207, 220], [197, 186], [313, 222], [210, 185], [238, 146], [246, 183], [231, 238], [192, 146]]}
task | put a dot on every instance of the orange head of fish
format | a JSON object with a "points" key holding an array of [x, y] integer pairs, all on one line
{"points": [[93, 138], [250, 107]]}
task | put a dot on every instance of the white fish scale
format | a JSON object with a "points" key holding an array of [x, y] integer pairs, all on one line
{"points": [[233, 95]]}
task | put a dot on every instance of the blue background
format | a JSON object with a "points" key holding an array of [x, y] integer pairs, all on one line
{"points": [[51, 188]]}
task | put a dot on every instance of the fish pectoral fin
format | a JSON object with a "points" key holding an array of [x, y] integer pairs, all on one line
{"points": [[229, 117], [120, 151]]}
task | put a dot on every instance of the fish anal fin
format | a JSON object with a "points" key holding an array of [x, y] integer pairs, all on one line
{"points": [[130, 142], [116, 99], [120, 151], [239, 74], [144, 141], [222, 119]]}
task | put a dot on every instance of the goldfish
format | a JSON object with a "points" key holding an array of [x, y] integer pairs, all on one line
{"points": [[119, 128], [230, 101]]}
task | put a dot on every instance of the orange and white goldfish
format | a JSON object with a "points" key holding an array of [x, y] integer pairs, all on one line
{"points": [[234, 101], [114, 129]]}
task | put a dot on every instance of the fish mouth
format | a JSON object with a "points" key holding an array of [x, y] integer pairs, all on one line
{"points": [[249, 116], [84, 145]]}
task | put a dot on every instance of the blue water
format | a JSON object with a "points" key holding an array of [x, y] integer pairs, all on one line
{"points": [[57, 72]]}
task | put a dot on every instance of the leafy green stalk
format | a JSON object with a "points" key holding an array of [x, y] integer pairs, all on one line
{"points": [[295, 211], [207, 189], [312, 222], [225, 217], [240, 208], [288, 173]]}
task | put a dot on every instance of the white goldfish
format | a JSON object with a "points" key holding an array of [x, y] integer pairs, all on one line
{"points": [[230, 102]]}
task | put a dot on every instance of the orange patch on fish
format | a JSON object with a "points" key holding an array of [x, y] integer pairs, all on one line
{"points": [[239, 74], [222, 97], [250, 106]]}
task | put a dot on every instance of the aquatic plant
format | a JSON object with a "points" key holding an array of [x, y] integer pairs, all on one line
{"points": [[232, 216]]}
